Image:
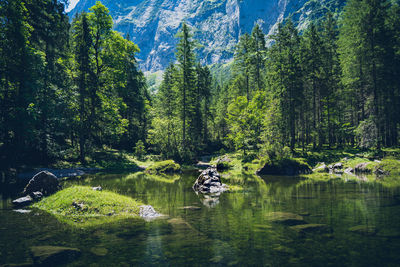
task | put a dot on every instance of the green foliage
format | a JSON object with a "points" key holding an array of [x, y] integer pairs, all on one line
{"points": [[167, 166], [283, 166], [69, 86], [82, 206], [366, 134], [180, 127], [389, 166], [140, 149]]}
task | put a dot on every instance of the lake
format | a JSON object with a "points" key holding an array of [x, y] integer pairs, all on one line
{"points": [[347, 224]]}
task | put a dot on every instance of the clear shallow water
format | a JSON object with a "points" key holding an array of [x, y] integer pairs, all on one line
{"points": [[235, 230]]}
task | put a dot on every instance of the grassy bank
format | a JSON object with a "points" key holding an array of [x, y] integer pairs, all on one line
{"points": [[82, 206]]}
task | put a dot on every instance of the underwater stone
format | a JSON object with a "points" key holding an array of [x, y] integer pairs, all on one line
{"points": [[285, 218], [53, 255]]}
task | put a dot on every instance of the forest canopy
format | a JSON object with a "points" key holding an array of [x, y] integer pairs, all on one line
{"points": [[72, 86]]}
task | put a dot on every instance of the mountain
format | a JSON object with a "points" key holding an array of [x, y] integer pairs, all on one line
{"points": [[216, 24]]}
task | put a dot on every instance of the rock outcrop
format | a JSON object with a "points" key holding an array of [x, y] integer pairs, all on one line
{"points": [[153, 25], [209, 181], [362, 168]]}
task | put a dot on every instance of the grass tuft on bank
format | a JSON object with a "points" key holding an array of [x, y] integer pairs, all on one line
{"points": [[82, 206]]}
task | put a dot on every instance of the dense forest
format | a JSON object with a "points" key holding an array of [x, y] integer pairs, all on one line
{"points": [[69, 87]]}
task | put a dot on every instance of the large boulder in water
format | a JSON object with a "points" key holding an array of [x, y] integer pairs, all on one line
{"points": [[44, 182], [209, 181]]}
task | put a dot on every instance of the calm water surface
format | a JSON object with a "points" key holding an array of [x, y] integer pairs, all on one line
{"points": [[232, 230]]}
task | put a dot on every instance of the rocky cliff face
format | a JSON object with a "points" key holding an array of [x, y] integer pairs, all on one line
{"points": [[216, 24]]}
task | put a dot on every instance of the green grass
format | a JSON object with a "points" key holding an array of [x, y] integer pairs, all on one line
{"points": [[97, 207], [166, 166], [390, 166]]}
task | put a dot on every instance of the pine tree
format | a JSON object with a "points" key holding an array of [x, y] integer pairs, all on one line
{"points": [[187, 88], [83, 52], [258, 53], [242, 62], [285, 78]]}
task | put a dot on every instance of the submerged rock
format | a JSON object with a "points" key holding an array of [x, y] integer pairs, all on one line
{"points": [[209, 181], [44, 182], [99, 251], [147, 212], [53, 255], [363, 229], [307, 228], [285, 218], [389, 233], [190, 208]]}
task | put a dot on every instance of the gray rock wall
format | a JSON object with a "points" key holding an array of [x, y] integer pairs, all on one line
{"points": [[217, 24]]}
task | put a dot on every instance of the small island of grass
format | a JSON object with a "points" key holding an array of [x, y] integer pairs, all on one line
{"points": [[83, 206], [166, 166]]}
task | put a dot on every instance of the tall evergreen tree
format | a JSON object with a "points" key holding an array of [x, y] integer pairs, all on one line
{"points": [[188, 93]]}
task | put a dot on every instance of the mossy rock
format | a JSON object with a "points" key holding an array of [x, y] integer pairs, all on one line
{"points": [[292, 166], [166, 166]]}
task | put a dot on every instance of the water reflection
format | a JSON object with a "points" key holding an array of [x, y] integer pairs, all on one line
{"points": [[361, 222]]}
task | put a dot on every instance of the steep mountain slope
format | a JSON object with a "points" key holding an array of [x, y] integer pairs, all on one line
{"points": [[217, 24]]}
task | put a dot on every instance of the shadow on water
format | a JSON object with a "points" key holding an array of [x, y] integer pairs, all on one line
{"points": [[341, 223]]}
